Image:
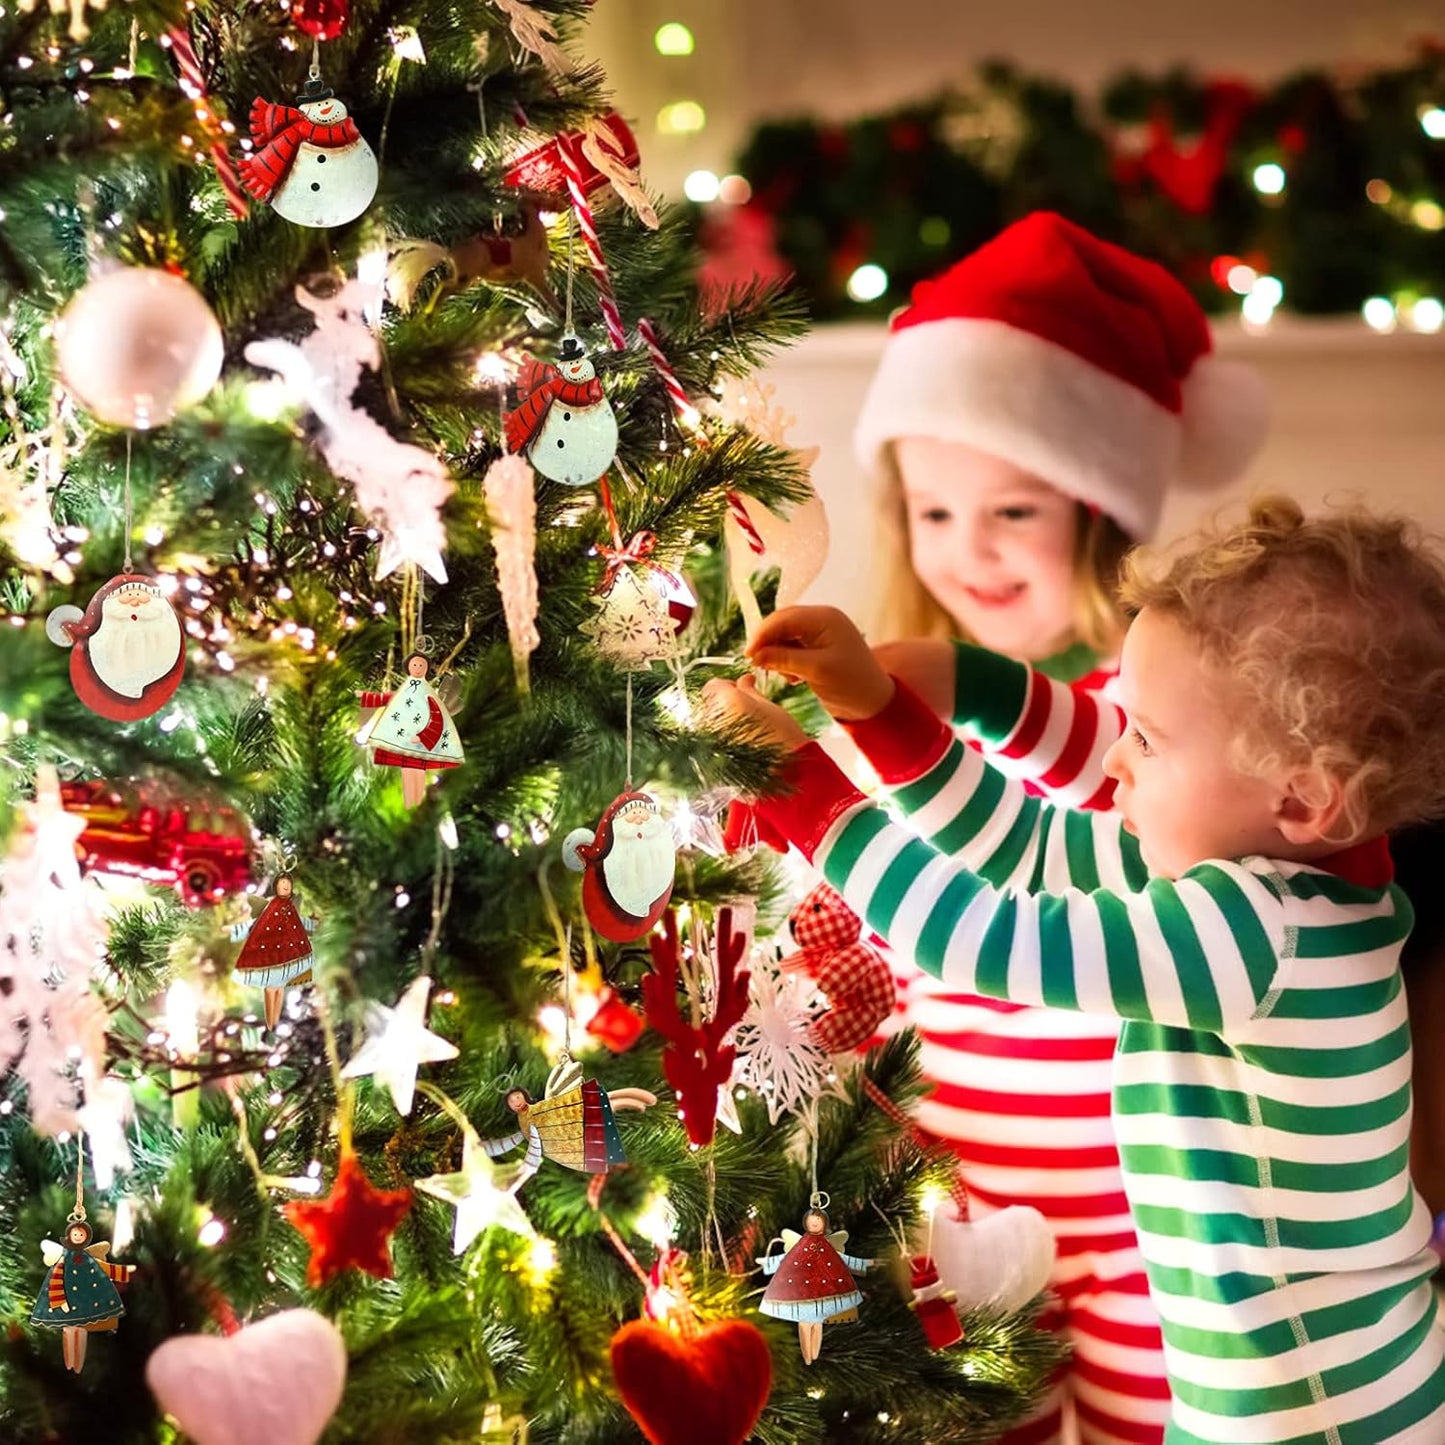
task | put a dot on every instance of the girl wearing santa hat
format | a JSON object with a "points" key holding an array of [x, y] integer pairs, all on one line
{"points": [[1033, 407]]}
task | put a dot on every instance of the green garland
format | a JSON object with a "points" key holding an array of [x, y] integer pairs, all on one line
{"points": [[1332, 184]]}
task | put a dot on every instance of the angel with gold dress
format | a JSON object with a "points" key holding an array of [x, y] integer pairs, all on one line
{"points": [[572, 1125]]}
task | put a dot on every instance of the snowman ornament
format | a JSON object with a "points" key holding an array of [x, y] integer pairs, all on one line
{"points": [[310, 161], [563, 422]]}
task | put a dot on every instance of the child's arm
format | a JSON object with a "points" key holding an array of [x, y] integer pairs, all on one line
{"points": [[1199, 953], [1055, 734], [988, 822]]}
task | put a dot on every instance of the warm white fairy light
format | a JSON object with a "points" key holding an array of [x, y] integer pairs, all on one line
{"points": [[1379, 313], [541, 1260], [1427, 315], [184, 1042], [1269, 179], [212, 1232], [657, 1222]]}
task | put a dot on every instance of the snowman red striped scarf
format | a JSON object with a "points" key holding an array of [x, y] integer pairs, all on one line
{"points": [[539, 385], [279, 131]]}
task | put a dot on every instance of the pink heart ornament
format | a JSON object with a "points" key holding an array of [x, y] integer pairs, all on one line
{"points": [[1000, 1260], [277, 1382]]}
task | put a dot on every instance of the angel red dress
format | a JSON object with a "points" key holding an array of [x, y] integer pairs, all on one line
{"points": [[812, 1282], [277, 952]]}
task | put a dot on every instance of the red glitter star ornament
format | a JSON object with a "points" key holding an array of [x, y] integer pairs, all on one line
{"points": [[351, 1228]]}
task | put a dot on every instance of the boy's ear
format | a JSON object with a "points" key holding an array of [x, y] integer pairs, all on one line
{"points": [[1311, 808]]}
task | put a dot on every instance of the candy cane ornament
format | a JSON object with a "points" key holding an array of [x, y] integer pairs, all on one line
{"points": [[194, 85], [578, 195]]}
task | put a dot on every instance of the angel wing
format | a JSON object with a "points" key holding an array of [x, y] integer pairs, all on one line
{"points": [[566, 1075], [51, 1252], [449, 692], [790, 1238], [99, 1251], [838, 1239]]}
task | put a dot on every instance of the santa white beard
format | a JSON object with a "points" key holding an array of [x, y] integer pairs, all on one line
{"points": [[640, 866], [134, 645]]}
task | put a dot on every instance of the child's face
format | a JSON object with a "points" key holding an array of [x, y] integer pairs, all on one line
{"points": [[1177, 789], [992, 545]]}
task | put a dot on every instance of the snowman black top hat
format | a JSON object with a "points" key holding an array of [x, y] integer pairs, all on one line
{"points": [[572, 348], [315, 89]]}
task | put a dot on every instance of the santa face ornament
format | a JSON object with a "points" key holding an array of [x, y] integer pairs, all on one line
{"points": [[628, 865], [310, 161], [563, 422], [128, 650]]}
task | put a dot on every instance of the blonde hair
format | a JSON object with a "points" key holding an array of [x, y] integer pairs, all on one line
{"points": [[1331, 631], [902, 607]]}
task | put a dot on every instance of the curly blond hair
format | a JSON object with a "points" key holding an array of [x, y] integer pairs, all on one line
{"points": [[901, 607], [1331, 630]]}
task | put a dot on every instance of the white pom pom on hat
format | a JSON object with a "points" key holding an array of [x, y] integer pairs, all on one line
{"points": [[1078, 361]]}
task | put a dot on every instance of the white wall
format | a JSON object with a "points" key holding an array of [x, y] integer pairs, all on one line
{"points": [[1353, 412], [843, 58]]}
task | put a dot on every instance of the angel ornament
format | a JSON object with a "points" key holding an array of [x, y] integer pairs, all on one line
{"points": [[276, 953], [812, 1280], [412, 731], [81, 1294], [573, 1125]]}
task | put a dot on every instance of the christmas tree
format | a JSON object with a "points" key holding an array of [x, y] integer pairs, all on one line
{"points": [[336, 636]]}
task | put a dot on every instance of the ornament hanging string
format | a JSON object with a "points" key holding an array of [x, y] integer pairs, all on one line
{"points": [[79, 1213], [194, 85], [443, 876], [611, 316], [128, 508], [564, 949], [810, 1124], [571, 269], [628, 787]]}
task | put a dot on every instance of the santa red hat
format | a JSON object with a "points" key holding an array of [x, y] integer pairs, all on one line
{"points": [[1076, 360]]}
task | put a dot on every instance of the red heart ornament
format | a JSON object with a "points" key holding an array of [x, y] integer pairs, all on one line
{"points": [[707, 1390]]}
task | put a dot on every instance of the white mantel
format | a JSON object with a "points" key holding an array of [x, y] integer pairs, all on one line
{"points": [[1354, 412]]}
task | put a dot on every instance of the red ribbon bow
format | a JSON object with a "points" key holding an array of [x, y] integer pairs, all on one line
{"points": [[637, 551]]}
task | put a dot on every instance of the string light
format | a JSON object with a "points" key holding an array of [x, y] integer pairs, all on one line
{"points": [[868, 282], [657, 1222], [1427, 315], [673, 39], [1269, 179], [702, 187], [1379, 314], [541, 1260], [681, 117], [1264, 296]]}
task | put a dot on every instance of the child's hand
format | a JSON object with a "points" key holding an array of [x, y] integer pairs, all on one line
{"points": [[928, 665], [820, 646], [741, 702]]}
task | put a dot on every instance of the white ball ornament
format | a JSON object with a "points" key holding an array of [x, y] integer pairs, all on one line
{"points": [[136, 345]]}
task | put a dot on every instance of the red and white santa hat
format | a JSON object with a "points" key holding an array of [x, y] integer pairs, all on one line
{"points": [[1077, 361]]}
